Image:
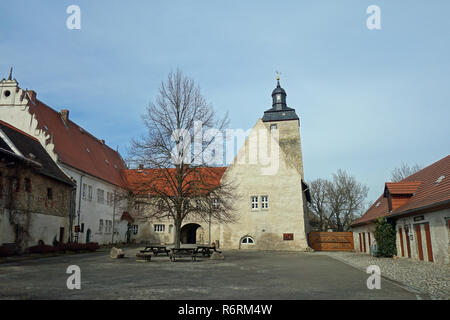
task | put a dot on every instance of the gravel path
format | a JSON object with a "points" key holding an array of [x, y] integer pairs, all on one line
{"points": [[428, 277]]}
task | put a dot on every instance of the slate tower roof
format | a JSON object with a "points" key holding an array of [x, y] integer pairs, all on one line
{"points": [[279, 111]]}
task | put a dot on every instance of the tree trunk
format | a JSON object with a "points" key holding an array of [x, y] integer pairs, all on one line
{"points": [[177, 233]]}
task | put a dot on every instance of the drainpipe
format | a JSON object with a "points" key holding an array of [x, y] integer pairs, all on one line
{"points": [[79, 207], [114, 215], [73, 194], [209, 229]]}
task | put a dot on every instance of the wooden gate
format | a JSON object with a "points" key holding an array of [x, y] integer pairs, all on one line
{"points": [[331, 241]]}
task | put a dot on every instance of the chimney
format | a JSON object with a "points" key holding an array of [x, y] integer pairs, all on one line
{"points": [[102, 141], [65, 115], [32, 95], [141, 166]]}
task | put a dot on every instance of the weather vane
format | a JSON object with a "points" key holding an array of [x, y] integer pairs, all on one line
{"points": [[278, 74]]}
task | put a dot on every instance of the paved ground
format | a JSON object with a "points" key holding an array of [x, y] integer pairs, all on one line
{"points": [[242, 275], [425, 276]]}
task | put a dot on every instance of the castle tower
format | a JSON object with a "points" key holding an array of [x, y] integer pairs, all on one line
{"points": [[283, 118], [270, 207]]}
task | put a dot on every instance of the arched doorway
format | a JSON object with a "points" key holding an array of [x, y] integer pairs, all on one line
{"points": [[88, 235], [191, 233]]}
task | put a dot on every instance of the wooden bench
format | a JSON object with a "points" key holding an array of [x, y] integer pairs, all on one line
{"points": [[183, 252], [206, 250], [156, 249], [143, 256]]}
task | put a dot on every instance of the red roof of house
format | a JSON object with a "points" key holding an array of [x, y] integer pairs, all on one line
{"points": [[78, 148], [403, 187], [153, 181], [428, 187]]}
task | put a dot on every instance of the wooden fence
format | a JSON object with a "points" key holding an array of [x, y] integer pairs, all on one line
{"points": [[331, 241]]}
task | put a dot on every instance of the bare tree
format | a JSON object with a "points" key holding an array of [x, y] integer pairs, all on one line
{"points": [[338, 202], [319, 203], [404, 171], [346, 199], [180, 183]]}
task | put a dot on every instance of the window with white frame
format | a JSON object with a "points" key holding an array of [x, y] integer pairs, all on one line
{"points": [[100, 195], [254, 202], [264, 202], [215, 204], [273, 127], [135, 229], [247, 240], [84, 190], [100, 226], [90, 193], [159, 227]]}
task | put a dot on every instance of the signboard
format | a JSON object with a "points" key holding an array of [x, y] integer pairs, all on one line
{"points": [[288, 236]]}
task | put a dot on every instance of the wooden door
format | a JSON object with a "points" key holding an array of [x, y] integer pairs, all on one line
{"points": [[419, 241], [364, 241], [428, 239], [360, 242], [408, 245], [401, 241]]}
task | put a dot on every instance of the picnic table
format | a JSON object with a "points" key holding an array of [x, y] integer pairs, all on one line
{"points": [[183, 252], [206, 250], [155, 249]]}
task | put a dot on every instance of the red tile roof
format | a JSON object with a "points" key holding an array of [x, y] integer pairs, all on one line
{"points": [[78, 148], [152, 181], [402, 187], [424, 187]]}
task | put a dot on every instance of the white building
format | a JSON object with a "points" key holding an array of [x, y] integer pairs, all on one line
{"points": [[96, 168], [419, 206], [271, 195]]}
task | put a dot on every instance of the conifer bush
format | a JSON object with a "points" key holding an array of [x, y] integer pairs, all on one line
{"points": [[386, 238]]}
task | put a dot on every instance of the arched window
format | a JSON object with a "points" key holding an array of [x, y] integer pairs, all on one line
{"points": [[247, 240]]}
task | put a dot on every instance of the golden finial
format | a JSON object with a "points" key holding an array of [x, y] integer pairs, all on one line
{"points": [[278, 75]]}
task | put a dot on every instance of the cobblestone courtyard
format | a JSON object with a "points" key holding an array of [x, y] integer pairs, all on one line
{"points": [[432, 278], [242, 275]]}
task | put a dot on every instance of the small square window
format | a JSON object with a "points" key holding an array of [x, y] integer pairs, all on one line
{"points": [[264, 202], [254, 202], [159, 227], [273, 127]]}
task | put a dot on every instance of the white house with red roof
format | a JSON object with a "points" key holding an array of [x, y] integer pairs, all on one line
{"points": [[420, 207], [96, 168]]}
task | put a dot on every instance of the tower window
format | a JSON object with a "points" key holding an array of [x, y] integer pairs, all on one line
{"points": [[273, 127], [278, 97], [265, 202], [254, 200]]}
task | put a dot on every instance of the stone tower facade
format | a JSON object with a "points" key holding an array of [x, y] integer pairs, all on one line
{"points": [[271, 195]]}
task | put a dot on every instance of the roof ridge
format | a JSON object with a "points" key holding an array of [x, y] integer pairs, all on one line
{"points": [[18, 130], [76, 125]]}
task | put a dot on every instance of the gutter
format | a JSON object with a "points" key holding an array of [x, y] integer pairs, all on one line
{"points": [[411, 211]]}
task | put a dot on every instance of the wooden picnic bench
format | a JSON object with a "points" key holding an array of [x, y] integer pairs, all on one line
{"points": [[182, 252], [156, 249], [206, 250]]}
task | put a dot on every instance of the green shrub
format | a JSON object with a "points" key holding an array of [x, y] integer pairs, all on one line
{"points": [[386, 238]]}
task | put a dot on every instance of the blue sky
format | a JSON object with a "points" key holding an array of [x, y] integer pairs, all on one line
{"points": [[367, 100]]}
